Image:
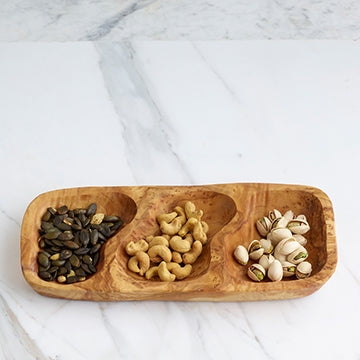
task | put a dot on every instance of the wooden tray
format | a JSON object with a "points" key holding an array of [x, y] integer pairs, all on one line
{"points": [[230, 210]]}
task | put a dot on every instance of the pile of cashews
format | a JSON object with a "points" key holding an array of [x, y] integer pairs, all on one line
{"points": [[170, 255]]}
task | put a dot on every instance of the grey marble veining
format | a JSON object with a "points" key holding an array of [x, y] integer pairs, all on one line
{"points": [[173, 20]]}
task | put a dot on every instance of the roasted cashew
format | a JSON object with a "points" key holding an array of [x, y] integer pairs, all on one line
{"points": [[199, 233], [189, 225], [153, 271], [180, 245], [171, 228], [181, 214], [189, 238], [176, 257], [178, 271], [158, 253], [191, 212], [166, 217], [164, 273], [191, 256], [159, 240], [140, 259], [132, 248], [205, 226]]}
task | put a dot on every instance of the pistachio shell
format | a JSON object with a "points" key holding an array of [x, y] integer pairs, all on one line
{"points": [[263, 226], [289, 215], [255, 250], [298, 226], [274, 214], [280, 223], [266, 260], [289, 269], [256, 272], [300, 239], [278, 234], [267, 245], [303, 270], [298, 256], [275, 271], [241, 255], [287, 246]]}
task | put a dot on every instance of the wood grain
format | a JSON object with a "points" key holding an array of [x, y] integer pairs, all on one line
{"points": [[230, 210]]}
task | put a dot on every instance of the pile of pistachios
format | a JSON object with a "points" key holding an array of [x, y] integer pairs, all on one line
{"points": [[281, 252]]}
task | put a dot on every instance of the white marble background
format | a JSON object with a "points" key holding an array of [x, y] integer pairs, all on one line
{"points": [[78, 114], [113, 20]]}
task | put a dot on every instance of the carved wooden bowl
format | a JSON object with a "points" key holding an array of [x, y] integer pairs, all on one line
{"points": [[230, 210]]}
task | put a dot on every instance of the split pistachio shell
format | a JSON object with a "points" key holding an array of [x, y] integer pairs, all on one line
{"points": [[301, 217], [267, 245], [274, 214], [297, 226], [287, 246], [255, 250], [289, 269], [278, 234], [263, 226], [300, 239], [280, 223], [256, 272], [241, 255], [266, 260], [275, 271], [298, 256], [303, 270], [289, 215]]}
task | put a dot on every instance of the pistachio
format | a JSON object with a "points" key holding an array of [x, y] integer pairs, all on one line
{"points": [[300, 239], [266, 260], [256, 272], [263, 226], [274, 214], [286, 246], [303, 270], [275, 271], [288, 269], [278, 234], [298, 256], [267, 245], [255, 250], [241, 255], [298, 226]]}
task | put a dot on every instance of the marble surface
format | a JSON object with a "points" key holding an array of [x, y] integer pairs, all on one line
{"points": [[131, 113], [181, 19]]}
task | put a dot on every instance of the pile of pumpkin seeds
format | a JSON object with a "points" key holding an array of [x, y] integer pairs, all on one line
{"points": [[70, 242]]}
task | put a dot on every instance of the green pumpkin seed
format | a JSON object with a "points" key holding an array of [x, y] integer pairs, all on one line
{"points": [[75, 261], [71, 245], [45, 275], [65, 254], [43, 260], [91, 210], [62, 210]]}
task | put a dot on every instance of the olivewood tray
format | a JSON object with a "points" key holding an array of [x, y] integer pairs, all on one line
{"points": [[231, 211]]}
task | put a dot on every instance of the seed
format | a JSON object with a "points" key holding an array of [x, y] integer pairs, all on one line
{"points": [[43, 259], [96, 258], [62, 210], [52, 233], [92, 268], [75, 261], [66, 235], [97, 218], [117, 225], [94, 236], [51, 210], [53, 269], [45, 275], [80, 272], [86, 268], [71, 273], [46, 216], [56, 256], [87, 259], [95, 248], [81, 278], [61, 279], [91, 210], [63, 226], [67, 266], [84, 237], [58, 243], [105, 230], [65, 254], [58, 262], [76, 226], [111, 218], [81, 251], [70, 279], [71, 245], [58, 220], [62, 270], [44, 268]]}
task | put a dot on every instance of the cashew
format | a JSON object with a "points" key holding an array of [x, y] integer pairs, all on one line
{"points": [[191, 212], [199, 233], [159, 240], [171, 228], [132, 248], [181, 214], [189, 225], [164, 273], [153, 271], [166, 217], [205, 226], [180, 245], [158, 253], [149, 238], [176, 257], [178, 271], [140, 259], [191, 256], [189, 238]]}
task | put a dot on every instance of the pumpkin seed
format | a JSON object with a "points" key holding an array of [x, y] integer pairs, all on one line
{"points": [[91, 210], [43, 259], [45, 275], [62, 210]]}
